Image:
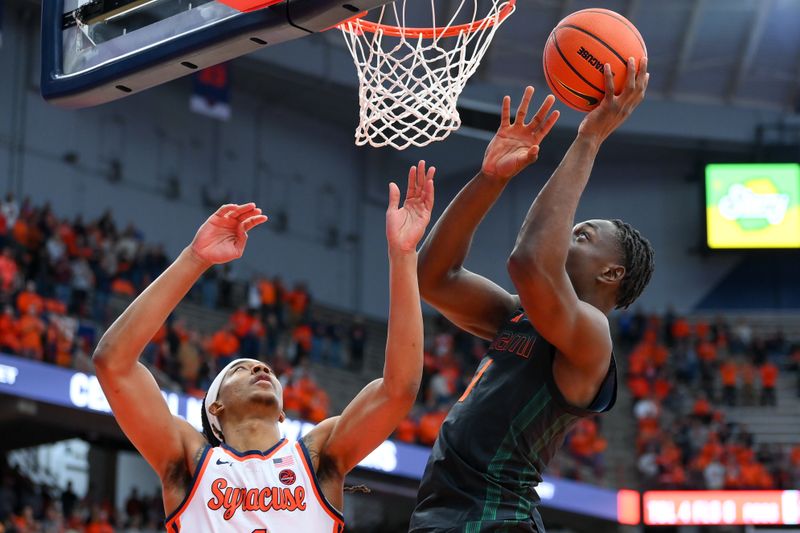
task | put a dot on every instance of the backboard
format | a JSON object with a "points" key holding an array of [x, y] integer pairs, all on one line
{"points": [[96, 51]]}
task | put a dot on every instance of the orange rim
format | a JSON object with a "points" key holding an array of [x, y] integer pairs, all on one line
{"points": [[427, 33]]}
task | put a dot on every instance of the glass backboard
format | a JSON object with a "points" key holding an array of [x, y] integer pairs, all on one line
{"points": [[96, 51]]}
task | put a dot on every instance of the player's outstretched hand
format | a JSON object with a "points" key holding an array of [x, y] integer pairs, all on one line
{"points": [[223, 236], [515, 146], [406, 225], [614, 110]]}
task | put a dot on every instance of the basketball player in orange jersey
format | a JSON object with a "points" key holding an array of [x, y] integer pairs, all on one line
{"points": [[550, 362], [240, 475]]}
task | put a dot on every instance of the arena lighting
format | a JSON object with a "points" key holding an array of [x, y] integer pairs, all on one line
{"points": [[78, 390], [722, 507]]}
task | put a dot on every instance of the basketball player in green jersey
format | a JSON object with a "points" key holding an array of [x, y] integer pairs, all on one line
{"points": [[550, 361]]}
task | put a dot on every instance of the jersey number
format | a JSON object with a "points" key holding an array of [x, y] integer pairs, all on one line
{"points": [[475, 379]]}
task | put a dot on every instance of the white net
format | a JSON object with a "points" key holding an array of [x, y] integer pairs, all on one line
{"points": [[410, 78]]}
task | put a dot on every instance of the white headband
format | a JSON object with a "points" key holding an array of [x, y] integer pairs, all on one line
{"points": [[211, 397]]}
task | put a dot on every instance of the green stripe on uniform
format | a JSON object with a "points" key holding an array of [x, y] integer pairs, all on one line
{"points": [[506, 450], [523, 510]]}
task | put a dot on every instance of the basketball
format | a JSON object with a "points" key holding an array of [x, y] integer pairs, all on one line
{"points": [[579, 47]]}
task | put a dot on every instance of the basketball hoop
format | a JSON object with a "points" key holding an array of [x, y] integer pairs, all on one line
{"points": [[410, 77]]}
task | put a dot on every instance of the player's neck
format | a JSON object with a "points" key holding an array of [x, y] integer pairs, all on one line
{"points": [[603, 301], [252, 434]]}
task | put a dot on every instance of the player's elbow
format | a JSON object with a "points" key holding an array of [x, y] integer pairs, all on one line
{"points": [[431, 279], [522, 267], [402, 392], [104, 358]]}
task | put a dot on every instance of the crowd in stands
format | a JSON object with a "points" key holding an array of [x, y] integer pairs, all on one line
{"points": [[29, 507], [58, 277], [681, 375]]}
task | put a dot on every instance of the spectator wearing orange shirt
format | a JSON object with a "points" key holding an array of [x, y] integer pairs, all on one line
{"points": [[9, 331], [707, 354], [729, 376], [298, 301], [681, 330], [292, 403], [25, 522], [748, 383], [429, 425], [702, 408], [268, 297], [99, 522], [8, 271], [302, 337], [406, 431], [769, 378], [28, 298], [241, 321], [31, 329], [224, 346]]}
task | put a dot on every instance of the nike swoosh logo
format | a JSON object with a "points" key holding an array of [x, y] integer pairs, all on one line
{"points": [[221, 462], [591, 100]]}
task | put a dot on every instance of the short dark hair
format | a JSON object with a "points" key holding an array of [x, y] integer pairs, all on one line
{"points": [[638, 258], [209, 435]]}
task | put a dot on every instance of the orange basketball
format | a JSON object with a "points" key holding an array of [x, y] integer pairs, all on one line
{"points": [[578, 48]]}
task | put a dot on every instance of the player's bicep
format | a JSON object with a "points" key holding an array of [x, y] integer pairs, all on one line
{"points": [[365, 423], [471, 302], [143, 415]]}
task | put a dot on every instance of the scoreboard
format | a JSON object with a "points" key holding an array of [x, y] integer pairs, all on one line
{"points": [[708, 507]]}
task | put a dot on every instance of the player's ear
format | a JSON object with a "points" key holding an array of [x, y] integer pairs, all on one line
{"points": [[282, 417], [216, 408], [612, 274]]}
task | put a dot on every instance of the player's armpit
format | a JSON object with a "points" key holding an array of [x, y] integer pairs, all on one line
{"points": [[471, 302]]}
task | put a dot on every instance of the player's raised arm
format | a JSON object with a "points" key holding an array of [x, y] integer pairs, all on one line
{"points": [[375, 412], [469, 300], [131, 390], [538, 264]]}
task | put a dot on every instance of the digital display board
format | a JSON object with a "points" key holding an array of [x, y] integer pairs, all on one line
{"points": [[752, 206], [721, 507]]}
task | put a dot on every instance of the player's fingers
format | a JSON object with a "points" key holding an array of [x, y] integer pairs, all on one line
{"points": [[421, 175], [642, 77], [609, 81], [394, 196], [252, 222], [244, 215], [505, 113], [427, 199], [630, 80], [412, 182], [430, 174], [544, 109], [551, 120], [244, 208], [522, 110], [223, 210]]}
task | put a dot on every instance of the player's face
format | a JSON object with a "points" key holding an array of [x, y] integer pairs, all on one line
{"points": [[251, 381], [593, 250]]}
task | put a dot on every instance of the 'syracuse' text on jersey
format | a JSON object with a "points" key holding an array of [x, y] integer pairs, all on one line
{"points": [[275, 491], [499, 437]]}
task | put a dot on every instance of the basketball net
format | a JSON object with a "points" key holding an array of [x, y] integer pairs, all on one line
{"points": [[410, 78]]}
